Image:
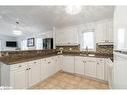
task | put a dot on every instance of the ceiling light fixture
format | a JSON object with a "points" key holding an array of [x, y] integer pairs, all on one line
{"points": [[73, 10], [17, 32]]}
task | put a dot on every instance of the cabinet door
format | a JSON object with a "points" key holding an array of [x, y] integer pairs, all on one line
{"points": [[104, 31], [66, 36], [110, 31], [53, 64], [68, 64], [50, 66], [79, 65], [19, 79], [60, 61], [44, 69], [57, 64], [99, 32], [34, 72], [100, 69], [90, 68]]}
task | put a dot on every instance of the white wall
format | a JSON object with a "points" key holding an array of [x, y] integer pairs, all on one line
{"points": [[48, 34], [3, 39], [120, 24]]}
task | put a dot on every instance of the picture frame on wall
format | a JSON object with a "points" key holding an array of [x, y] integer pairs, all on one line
{"points": [[30, 42]]}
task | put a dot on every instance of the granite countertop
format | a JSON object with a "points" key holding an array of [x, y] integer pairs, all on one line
{"points": [[14, 60], [11, 61]]}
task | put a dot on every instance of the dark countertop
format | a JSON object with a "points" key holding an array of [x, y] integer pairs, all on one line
{"points": [[15, 60]]}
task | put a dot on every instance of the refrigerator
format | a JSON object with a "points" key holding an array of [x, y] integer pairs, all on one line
{"points": [[48, 43], [120, 48]]}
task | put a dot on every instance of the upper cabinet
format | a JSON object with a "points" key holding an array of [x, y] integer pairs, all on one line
{"points": [[104, 31], [73, 35], [67, 36]]}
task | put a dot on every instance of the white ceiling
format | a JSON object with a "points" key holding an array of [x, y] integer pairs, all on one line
{"points": [[38, 19]]}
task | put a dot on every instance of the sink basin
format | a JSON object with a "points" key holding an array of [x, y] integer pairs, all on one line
{"points": [[87, 54], [91, 54]]}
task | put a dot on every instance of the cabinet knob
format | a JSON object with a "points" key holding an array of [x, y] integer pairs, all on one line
{"points": [[49, 62], [35, 62], [27, 69], [97, 63], [20, 66], [84, 61]]}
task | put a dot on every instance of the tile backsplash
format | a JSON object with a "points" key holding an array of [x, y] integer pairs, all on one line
{"points": [[107, 49]]}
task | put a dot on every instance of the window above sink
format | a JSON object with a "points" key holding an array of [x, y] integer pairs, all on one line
{"points": [[88, 41]]}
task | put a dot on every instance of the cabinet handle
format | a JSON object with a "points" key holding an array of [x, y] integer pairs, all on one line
{"points": [[84, 61], [49, 62], [98, 63], [35, 62]]}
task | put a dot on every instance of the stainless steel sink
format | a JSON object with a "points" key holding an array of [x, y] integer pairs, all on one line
{"points": [[91, 54], [87, 54]]}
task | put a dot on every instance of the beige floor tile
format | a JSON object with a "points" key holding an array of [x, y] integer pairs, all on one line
{"points": [[64, 80]]}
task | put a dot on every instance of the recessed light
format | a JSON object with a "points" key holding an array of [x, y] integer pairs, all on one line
{"points": [[17, 32]]}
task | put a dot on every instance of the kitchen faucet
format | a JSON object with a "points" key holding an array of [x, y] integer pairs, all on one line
{"points": [[87, 50]]}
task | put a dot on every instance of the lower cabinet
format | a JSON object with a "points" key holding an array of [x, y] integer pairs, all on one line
{"points": [[68, 64], [57, 64], [49, 66], [100, 71], [18, 79], [90, 67], [34, 72], [79, 65], [44, 68], [24, 75]]}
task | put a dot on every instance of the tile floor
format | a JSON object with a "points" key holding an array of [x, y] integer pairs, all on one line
{"points": [[62, 80]]}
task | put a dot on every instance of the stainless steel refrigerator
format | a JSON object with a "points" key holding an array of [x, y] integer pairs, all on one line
{"points": [[48, 43]]}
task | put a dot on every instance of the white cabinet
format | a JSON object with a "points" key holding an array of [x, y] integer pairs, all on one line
{"points": [[22, 75], [79, 65], [19, 79], [34, 72], [90, 67], [100, 69], [104, 31], [66, 36], [60, 60], [68, 64], [44, 68], [49, 66], [18, 76], [57, 64]]}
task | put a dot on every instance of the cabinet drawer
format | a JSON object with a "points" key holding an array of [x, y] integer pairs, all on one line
{"points": [[19, 66]]}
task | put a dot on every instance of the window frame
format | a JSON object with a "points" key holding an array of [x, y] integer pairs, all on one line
{"points": [[94, 40]]}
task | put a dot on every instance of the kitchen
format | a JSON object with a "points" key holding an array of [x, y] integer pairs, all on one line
{"points": [[58, 47]]}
